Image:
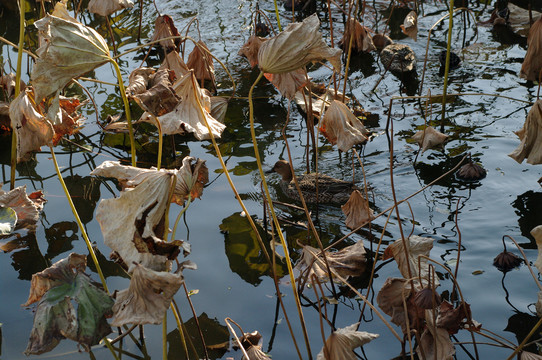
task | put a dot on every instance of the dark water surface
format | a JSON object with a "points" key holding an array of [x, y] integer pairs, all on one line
{"points": [[232, 275]]}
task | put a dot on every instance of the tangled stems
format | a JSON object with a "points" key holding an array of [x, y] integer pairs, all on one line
{"points": [[275, 220], [127, 110], [447, 65]]}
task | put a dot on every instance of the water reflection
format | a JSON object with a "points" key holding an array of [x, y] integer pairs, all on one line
{"points": [[27, 258], [243, 250], [529, 208]]}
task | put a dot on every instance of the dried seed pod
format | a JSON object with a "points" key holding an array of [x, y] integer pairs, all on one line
{"points": [[506, 261], [471, 171]]}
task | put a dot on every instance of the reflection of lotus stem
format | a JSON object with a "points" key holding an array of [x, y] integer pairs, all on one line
{"points": [[79, 223], [179, 217], [13, 163], [127, 110], [447, 64], [179, 322], [277, 14], [272, 209], [164, 337]]}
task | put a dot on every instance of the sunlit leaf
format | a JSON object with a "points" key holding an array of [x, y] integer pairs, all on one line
{"points": [[526, 355], [33, 129], [70, 306], [532, 65], [27, 208], [429, 138], [187, 117], [7, 81], [68, 50], [219, 107], [362, 40], [342, 342], [250, 49], [357, 210], [64, 116], [531, 137], [410, 25], [108, 7], [148, 297], [173, 61], [201, 62], [296, 46], [152, 90], [417, 246], [341, 127], [8, 219], [349, 261], [164, 28], [288, 83]]}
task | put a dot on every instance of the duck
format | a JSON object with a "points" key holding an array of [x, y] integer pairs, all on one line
{"points": [[330, 190]]}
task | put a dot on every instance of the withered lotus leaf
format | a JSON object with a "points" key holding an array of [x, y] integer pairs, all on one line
{"points": [[8, 219], [7, 81], [341, 127], [163, 29], [33, 129], [417, 246], [531, 137], [70, 305], [27, 209], [452, 319], [390, 300], [526, 355], [537, 234], [362, 40], [250, 49], [187, 117], [64, 116], [252, 343], [288, 83], [133, 224], [174, 62], [349, 261], [201, 62], [297, 45], [108, 7], [219, 107], [357, 210], [152, 90], [532, 64], [381, 41], [342, 342], [68, 50], [148, 297], [410, 25], [319, 101], [429, 138], [435, 342], [256, 353]]}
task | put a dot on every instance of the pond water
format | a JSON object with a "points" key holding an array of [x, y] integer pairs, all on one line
{"points": [[232, 279]]}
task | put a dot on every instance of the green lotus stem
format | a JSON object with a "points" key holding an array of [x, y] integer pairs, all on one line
{"points": [[110, 347], [447, 64], [127, 110], [79, 222], [277, 15], [160, 141], [164, 337], [274, 216], [13, 163], [180, 327], [179, 217]]}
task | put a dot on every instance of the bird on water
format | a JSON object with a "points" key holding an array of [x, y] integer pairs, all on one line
{"points": [[330, 190]]}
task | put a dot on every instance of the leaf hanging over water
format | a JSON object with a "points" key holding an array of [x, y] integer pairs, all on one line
{"points": [[250, 49], [532, 65], [537, 234], [173, 61], [349, 261], [357, 210], [429, 138], [531, 137], [435, 342], [7, 81], [27, 208], [148, 297], [108, 7], [410, 25], [201, 62], [164, 28], [297, 45], [362, 41], [152, 90], [288, 84], [342, 342], [341, 127], [8, 219], [70, 306], [390, 300], [417, 246], [219, 107], [68, 50], [33, 129]]}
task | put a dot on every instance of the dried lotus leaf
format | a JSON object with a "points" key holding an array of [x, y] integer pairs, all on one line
{"points": [[174, 62], [26, 207], [429, 138], [201, 62], [250, 49], [531, 137], [532, 64], [342, 342], [417, 246], [163, 29], [357, 211], [288, 84], [410, 25], [147, 299], [108, 7], [362, 40], [341, 127], [297, 45], [537, 234]]}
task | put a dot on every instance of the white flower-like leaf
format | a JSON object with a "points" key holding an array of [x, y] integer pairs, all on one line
{"points": [[341, 127]]}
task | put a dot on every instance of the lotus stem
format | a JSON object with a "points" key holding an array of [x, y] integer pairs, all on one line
{"points": [[179, 217], [127, 110], [274, 216], [277, 15], [160, 141], [110, 347], [245, 355], [79, 222], [447, 64], [180, 327], [13, 163], [164, 337]]}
